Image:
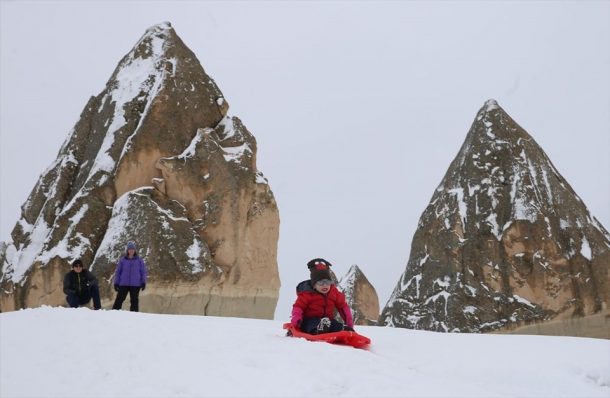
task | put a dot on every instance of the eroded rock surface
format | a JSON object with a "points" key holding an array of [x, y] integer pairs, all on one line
{"points": [[361, 296], [505, 241], [156, 159]]}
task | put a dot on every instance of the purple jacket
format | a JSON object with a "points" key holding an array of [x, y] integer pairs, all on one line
{"points": [[130, 272]]}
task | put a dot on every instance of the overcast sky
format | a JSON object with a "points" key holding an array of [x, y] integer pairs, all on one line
{"points": [[358, 107]]}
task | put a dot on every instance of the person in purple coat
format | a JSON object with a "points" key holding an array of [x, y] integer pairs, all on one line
{"points": [[129, 277]]}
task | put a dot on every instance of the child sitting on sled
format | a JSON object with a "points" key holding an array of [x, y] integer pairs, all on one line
{"points": [[313, 311]]}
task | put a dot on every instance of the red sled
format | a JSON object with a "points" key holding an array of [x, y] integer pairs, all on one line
{"points": [[344, 337]]}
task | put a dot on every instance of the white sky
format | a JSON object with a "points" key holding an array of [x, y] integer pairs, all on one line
{"points": [[358, 107], [129, 354]]}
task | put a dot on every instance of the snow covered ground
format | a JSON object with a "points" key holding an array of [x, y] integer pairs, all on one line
{"points": [[59, 352]]}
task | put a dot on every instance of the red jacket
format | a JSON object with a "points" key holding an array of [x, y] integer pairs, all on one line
{"points": [[313, 304]]}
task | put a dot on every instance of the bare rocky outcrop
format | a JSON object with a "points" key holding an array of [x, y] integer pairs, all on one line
{"points": [[3, 247], [361, 296], [504, 242], [595, 326], [156, 159]]}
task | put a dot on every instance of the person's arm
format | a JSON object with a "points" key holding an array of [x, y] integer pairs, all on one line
{"points": [[91, 279], [117, 273], [298, 307], [67, 289], [346, 314], [344, 311], [296, 318], [143, 273]]}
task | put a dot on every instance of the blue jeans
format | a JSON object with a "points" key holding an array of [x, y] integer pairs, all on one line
{"points": [[93, 292]]}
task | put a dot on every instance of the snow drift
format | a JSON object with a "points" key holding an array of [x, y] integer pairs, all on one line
{"points": [[82, 353]]}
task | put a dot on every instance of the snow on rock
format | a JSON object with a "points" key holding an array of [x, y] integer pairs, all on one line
{"points": [[133, 215], [211, 214], [360, 295], [512, 220], [189, 152], [491, 105], [138, 75], [585, 249], [23, 258], [66, 248]]}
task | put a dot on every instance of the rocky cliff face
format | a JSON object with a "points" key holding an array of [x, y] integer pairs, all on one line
{"points": [[361, 296], [505, 241], [154, 158]]}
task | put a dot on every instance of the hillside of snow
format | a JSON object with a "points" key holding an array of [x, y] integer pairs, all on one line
{"points": [[60, 352]]}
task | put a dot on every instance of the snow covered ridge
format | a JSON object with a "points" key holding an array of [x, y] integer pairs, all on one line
{"points": [[505, 241], [156, 159], [139, 74], [253, 358]]}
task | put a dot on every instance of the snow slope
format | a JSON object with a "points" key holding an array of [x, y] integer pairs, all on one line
{"points": [[82, 353]]}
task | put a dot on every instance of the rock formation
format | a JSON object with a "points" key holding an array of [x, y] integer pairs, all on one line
{"points": [[154, 158], [505, 241], [361, 296]]}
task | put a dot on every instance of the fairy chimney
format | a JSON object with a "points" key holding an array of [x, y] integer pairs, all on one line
{"points": [[154, 158], [504, 242], [361, 296]]}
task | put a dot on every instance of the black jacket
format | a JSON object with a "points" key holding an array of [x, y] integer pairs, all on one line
{"points": [[78, 283]]}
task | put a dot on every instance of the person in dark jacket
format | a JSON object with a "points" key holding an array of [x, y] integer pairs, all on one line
{"points": [[129, 277], [317, 300], [80, 286]]}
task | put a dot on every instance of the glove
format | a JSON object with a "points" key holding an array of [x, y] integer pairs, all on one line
{"points": [[143, 286], [116, 288], [349, 329]]}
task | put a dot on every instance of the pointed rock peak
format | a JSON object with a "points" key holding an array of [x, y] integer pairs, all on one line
{"points": [[162, 119], [494, 127], [488, 111], [360, 296], [159, 28], [143, 65], [504, 241], [153, 42], [161, 32], [490, 105], [151, 49], [353, 273]]}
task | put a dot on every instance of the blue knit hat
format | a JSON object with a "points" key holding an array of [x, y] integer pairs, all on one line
{"points": [[131, 245]]}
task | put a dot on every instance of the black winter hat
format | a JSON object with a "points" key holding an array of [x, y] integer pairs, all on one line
{"points": [[319, 274], [318, 263], [77, 262]]}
